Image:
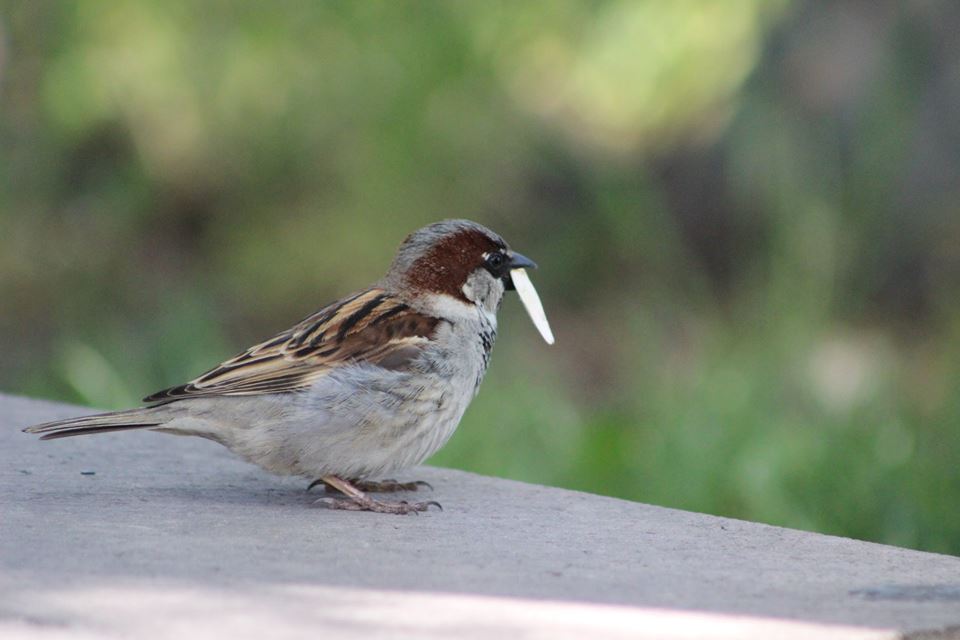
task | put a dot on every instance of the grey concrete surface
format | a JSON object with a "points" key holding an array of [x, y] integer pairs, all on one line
{"points": [[153, 536]]}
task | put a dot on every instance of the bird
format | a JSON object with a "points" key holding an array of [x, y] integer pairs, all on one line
{"points": [[369, 385]]}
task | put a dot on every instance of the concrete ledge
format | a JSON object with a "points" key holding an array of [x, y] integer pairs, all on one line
{"points": [[152, 536]]}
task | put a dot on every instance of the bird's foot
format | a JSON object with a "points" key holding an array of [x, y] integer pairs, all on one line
{"points": [[389, 486], [357, 500], [378, 506], [372, 486]]}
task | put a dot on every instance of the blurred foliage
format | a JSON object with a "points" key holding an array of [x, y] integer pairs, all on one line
{"points": [[746, 217]]}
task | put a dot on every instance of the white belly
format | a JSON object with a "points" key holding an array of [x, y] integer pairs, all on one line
{"points": [[349, 426], [359, 421]]}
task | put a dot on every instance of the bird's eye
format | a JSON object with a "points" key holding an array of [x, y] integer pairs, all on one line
{"points": [[495, 261]]}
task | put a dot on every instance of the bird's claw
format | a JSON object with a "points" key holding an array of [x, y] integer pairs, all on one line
{"points": [[390, 486], [383, 486]]}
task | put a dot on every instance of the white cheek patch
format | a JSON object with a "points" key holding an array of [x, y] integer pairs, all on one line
{"points": [[531, 302]]}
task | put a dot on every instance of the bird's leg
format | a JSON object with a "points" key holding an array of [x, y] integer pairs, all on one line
{"points": [[357, 500]]}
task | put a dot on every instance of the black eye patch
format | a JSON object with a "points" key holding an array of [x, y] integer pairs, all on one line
{"points": [[496, 264]]}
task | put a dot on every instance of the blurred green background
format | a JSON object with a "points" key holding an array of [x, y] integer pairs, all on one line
{"points": [[745, 212]]}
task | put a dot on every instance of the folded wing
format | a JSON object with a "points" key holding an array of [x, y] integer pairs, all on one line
{"points": [[371, 327]]}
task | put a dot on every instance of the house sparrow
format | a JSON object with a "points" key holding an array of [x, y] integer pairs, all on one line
{"points": [[368, 385]]}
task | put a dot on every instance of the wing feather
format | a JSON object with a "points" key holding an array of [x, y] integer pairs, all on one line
{"points": [[371, 326]]}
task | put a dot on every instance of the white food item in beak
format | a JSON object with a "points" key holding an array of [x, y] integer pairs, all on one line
{"points": [[531, 302]]}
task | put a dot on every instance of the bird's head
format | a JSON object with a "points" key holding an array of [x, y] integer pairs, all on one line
{"points": [[469, 264]]}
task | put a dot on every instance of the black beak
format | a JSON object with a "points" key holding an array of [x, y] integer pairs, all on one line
{"points": [[517, 261]]}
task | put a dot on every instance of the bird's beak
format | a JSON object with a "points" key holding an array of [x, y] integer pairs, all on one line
{"points": [[517, 261], [518, 280]]}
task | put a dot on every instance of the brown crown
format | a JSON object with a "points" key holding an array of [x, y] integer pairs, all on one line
{"points": [[447, 261]]}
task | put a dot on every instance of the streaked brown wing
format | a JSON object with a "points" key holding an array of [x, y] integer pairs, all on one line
{"points": [[371, 326]]}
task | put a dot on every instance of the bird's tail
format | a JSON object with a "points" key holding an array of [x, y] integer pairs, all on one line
{"points": [[100, 423]]}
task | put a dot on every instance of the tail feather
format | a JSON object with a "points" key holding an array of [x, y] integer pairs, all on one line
{"points": [[100, 423]]}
